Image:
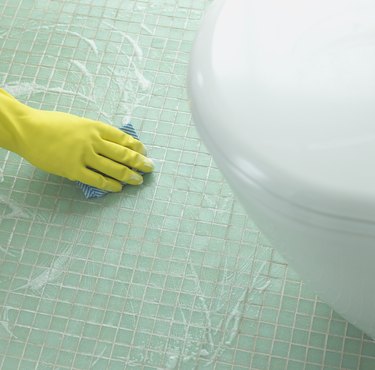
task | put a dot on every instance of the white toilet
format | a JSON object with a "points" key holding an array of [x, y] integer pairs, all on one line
{"points": [[283, 95]]}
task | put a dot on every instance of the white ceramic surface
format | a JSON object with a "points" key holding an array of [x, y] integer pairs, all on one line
{"points": [[283, 94]]}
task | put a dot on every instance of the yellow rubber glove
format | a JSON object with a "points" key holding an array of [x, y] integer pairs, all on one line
{"points": [[77, 148]]}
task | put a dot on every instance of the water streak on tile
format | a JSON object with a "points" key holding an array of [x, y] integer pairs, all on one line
{"points": [[5, 321], [90, 42], [82, 67], [235, 317], [231, 323], [15, 211], [147, 29], [98, 356], [144, 83], [137, 49], [27, 88], [206, 310], [12, 211], [50, 274], [54, 28]]}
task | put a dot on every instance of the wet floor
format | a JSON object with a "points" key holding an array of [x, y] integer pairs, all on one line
{"points": [[169, 275]]}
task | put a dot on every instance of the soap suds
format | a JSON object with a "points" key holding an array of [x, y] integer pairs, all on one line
{"points": [[203, 353], [217, 338], [228, 280], [129, 81], [127, 88], [172, 362]]}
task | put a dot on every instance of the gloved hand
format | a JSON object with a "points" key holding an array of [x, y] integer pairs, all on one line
{"points": [[77, 148]]}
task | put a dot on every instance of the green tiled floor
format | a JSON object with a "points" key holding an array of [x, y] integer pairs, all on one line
{"points": [[170, 275]]}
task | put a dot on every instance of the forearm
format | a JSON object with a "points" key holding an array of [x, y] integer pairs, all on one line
{"points": [[10, 112]]}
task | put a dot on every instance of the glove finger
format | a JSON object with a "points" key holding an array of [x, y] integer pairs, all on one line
{"points": [[115, 170], [99, 181], [125, 156], [115, 135]]}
